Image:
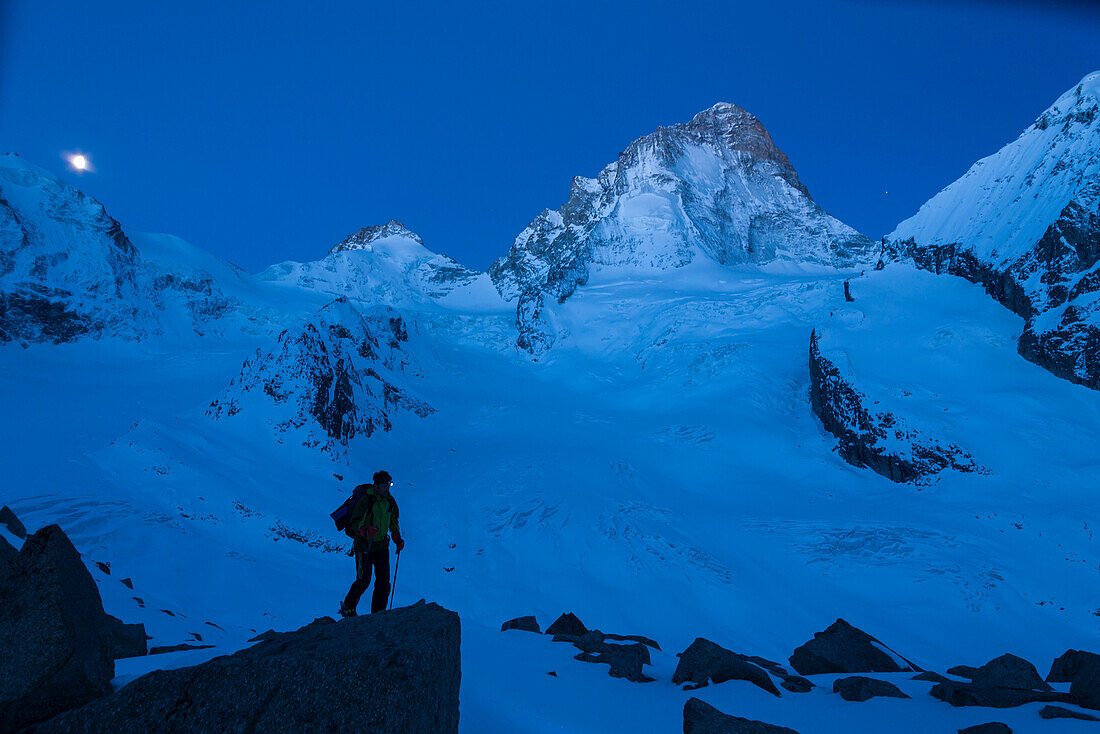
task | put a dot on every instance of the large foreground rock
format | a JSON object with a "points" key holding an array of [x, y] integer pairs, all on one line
{"points": [[704, 661], [58, 645], [394, 671], [702, 718], [843, 648]]}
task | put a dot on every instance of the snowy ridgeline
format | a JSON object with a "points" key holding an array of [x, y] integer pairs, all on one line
{"points": [[681, 461]]}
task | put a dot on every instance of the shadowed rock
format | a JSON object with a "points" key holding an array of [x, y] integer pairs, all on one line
{"points": [[1009, 671], [843, 648], [8, 553], [860, 688], [1057, 712], [1085, 688], [163, 649], [11, 522], [993, 727], [797, 684], [969, 694], [527, 624], [1070, 664], [567, 624], [963, 671], [394, 671], [704, 661], [702, 718], [58, 644], [625, 660]]}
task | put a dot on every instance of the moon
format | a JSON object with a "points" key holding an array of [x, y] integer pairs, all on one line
{"points": [[79, 162]]}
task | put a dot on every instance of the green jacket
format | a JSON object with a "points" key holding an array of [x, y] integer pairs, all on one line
{"points": [[381, 512]]}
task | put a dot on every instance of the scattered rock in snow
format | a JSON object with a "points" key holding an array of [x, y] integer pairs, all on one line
{"points": [[861, 688], [59, 645], [128, 583], [969, 694], [843, 648], [626, 661], [404, 662], [1009, 671], [963, 671], [993, 727], [797, 684], [567, 624], [704, 661], [1057, 712], [162, 649], [12, 523], [1071, 663], [527, 624], [702, 718]]}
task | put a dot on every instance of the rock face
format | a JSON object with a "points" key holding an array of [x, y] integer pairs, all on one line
{"points": [[704, 661], [527, 624], [1025, 224], [66, 267], [386, 263], [1003, 682], [715, 188], [861, 688], [339, 376], [395, 671], [59, 645], [702, 718], [567, 624], [12, 523], [869, 437], [1071, 664], [843, 648]]}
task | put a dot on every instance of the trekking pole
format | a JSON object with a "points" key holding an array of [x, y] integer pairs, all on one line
{"points": [[396, 566]]}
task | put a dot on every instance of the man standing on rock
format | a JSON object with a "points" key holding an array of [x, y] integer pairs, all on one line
{"points": [[374, 514]]}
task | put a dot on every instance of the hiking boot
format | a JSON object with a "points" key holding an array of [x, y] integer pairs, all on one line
{"points": [[345, 612]]}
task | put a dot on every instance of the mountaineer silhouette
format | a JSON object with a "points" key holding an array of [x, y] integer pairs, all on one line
{"points": [[369, 516]]}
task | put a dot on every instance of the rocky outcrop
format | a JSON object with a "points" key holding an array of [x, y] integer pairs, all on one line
{"points": [[341, 375], [861, 688], [1057, 712], [702, 718], [869, 437], [1003, 682], [1071, 664], [394, 671], [704, 661], [1024, 224], [567, 624], [527, 624], [59, 645], [624, 661], [843, 648], [714, 188]]}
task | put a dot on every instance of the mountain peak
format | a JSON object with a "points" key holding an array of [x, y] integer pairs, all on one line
{"points": [[365, 237]]}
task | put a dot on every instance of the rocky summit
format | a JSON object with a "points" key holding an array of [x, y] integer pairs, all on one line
{"points": [[716, 188]]}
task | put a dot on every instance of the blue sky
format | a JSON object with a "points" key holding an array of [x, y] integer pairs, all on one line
{"points": [[268, 131]]}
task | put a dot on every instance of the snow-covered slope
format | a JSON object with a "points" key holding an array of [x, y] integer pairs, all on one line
{"points": [[383, 264], [1025, 223], [715, 188]]}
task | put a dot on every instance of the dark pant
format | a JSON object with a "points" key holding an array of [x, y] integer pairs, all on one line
{"points": [[380, 560]]}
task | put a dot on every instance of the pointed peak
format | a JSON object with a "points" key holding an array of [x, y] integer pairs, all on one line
{"points": [[365, 237]]}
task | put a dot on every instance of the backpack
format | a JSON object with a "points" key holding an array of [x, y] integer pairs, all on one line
{"points": [[342, 515]]}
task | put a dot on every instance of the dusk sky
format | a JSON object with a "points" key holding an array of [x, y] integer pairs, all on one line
{"points": [[265, 132]]}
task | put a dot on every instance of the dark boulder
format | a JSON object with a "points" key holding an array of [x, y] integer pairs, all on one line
{"points": [[843, 648], [993, 727], [969, 694], [1009, 671], [527, 624], [861, 688], [125, 640], [404, 664], [59, 645], [704, 661], [1070, 664], [11, 522], [1085, 688], [625, 660], [797, 684], [963, 671], [1057, 712], [566, 624], [702, 718]]}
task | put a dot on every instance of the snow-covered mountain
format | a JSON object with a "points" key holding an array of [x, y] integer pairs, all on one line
{"points": [[671, 470], [337, 376], [1025, 223], [715, 188], [386, 263]]}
